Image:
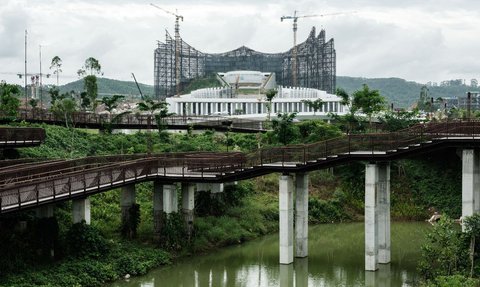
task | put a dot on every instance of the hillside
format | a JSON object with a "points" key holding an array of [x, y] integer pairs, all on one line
{"points": [[109, 86], [398, 91]]}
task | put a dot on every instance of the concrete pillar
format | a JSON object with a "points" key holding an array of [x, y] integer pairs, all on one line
{"points": [[157, 208], [212, 187], [371, 220], [127, 199], [286, 219], [188, 205], [383, 207], [170, 199], [470, 182], [301, 215], [81, 210]]}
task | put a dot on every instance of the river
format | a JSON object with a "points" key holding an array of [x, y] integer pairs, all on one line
{"points": [[336, 258]]}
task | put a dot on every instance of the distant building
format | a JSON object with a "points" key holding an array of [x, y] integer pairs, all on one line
{"points": [[244, 96], [462, 102], [315, 64]]}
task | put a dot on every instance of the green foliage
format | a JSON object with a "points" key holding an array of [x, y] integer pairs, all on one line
{"points": [[109, 86], [284, 130], [316, 105], [9, 102], [317, 130], [174, 232], [368, 101], [91, 89], [328, 211], [445, 252], [395, 121], [452, 281], [85, 241], [111, 103]]}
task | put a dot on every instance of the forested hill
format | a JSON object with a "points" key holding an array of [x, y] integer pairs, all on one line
{"points": [[109, 86], [398, 91]]}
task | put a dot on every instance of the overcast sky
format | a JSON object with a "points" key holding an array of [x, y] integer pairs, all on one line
{"points": [[418, 40]]}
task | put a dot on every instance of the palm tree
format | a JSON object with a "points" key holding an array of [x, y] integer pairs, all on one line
{"points": [[151, 106], [316, 105], [270, 94]]}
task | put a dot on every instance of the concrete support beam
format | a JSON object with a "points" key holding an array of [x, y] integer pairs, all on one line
{"points": [[286, 219], [212, 187], [188, 205], [157, 208], [81, 210], [383, 208], [470, 182], [301, 215], [127, 199], [371, 219], [170, 198]]}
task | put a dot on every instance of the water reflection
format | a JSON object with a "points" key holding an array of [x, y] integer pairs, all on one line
{"points": [[336, 259]]}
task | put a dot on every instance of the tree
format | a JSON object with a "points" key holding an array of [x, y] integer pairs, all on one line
{"points": [[111, 103], [283, 128], [65, 107], [9, 103], [56, 64], [270, 94], [369, 101], [151, 106], [316, 105], [93, 67], [472, 229]]}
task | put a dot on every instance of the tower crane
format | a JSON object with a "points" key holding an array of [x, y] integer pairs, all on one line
{"points": [[177, 45], [295, 19]]}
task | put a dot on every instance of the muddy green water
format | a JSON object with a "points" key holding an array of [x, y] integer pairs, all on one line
{"points": [[336, 258]]}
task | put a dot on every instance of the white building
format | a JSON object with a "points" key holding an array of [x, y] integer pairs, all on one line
{"points": [[243, 96]]}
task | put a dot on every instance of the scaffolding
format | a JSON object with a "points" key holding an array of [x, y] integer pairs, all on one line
{"points": [[316, 64]]}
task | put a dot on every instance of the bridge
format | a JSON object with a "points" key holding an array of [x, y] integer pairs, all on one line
{"points": [[141, 121], [11, 137], [39, 185]]}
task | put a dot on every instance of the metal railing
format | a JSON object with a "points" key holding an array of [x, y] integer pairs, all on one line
{"points": [[142, 121], [13, 136]]}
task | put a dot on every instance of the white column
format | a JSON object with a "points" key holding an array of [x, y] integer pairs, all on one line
{"points": [[371, 220], [470, 182], [383, 207], [301, 215], [286, 219], [170, 200], [157, 208], [81, 210], [188, 205]]}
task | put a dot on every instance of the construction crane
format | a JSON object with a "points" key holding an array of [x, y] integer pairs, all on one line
{"points": [[177, 45], [295, 18]]}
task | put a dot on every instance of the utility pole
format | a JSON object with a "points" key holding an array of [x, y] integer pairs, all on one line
{"points": [[41, 92], [26, 81]]}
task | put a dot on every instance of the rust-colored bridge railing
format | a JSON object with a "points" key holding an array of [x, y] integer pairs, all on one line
{"points": [[142, 121], [21, 137], [29, 185]]}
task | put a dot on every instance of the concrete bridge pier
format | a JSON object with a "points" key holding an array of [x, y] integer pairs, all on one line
{"points": [[170, 198], [377, 215], [301, 215], [286, 218], [127, 199], [188, 206], [470, 182], [157, 208], [81, 210]]}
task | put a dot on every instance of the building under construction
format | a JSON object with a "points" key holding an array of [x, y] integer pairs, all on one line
{"points": [[315, 65]]}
